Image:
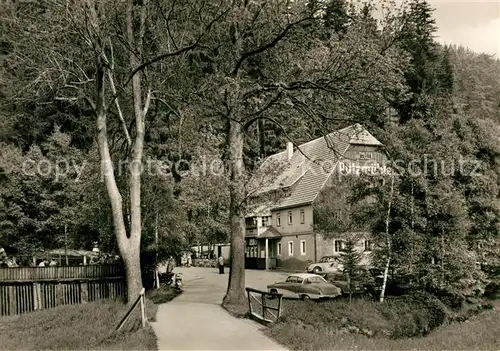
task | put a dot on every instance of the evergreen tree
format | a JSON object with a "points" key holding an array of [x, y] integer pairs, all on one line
{"points": [[336, 16], [350, 259], [422, 77]]}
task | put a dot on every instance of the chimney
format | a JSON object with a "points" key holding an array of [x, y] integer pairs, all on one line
{"points": [[289, 150]]}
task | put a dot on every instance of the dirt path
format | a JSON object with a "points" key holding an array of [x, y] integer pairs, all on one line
{"points": [[195, 320]]}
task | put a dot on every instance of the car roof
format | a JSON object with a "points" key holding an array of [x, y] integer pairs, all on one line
{"points": [[304, 275]]}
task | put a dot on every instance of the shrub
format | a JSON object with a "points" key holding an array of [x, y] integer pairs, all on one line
{"points": [[398, 317], [492, 290], [164, 294], [415, 314], [293, 264]]}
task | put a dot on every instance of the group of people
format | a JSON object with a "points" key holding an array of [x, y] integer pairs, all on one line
{"points": [[50, 263], [186, 260], [171, 264]]}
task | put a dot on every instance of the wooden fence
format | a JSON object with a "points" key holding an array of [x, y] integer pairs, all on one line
{"points": [[26, 289], [266, 304]]}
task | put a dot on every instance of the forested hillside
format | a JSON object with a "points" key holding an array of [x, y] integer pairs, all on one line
{"points": [[197, 93]]}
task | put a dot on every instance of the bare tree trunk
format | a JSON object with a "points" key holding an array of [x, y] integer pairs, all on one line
{"points": [[262, 138], [66, 244], [442, 255], [129, 245], [157, 276], [236, 286], [412, 227], [350, 287], [129, 255], [132, 249], [389, 243]]}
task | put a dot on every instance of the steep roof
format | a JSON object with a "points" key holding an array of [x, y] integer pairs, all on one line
{"points": [[270, 233], [310, 166]]}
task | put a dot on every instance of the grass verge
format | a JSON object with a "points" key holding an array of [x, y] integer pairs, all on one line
{"points": [[470, 335], [398, 324], [88, 326]]}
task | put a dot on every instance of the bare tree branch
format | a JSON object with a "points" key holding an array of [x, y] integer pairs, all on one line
{"points": [[259, 113], [266, 46]]}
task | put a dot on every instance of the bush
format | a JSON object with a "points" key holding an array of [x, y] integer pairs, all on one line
{"points": [[164, 294], [399, 317], [492, 290], [293, 264], [415, 314]]}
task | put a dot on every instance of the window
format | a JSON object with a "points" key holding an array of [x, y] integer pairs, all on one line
{"points": [[303, 247], [339, 245], [290, 217], [294, 279], [251, 222], [265, 221], [368, 245], [302, 216], [316, 280], [362, 155], [290, 248], [369, 155], [278, 220], [279, 249]]}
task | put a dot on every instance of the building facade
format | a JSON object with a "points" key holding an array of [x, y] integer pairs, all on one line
{"points": [[280, 222]]}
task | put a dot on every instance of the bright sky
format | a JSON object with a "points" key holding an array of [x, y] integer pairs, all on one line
{"points": [[475, 24]]}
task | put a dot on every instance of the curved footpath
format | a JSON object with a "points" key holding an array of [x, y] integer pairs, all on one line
{"points": [[195, 320]]}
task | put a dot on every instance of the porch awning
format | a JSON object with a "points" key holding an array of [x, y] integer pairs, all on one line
{"points": [[270, 233], [69, 252]]}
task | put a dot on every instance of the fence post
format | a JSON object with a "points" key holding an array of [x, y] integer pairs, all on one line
{"points": [[59, 294], [36, 296], [279, 308], [139, 299], [12, 300], [263, 301], [249, 302], [143, 314], [84, 286]]}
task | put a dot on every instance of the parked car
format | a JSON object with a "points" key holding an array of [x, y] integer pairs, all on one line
{"points": [[327, 264], [357, 286], [305, 286], [397, 284]]}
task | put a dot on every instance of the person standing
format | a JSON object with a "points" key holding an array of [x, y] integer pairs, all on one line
{"points": [[221, 264], [170, 265]]}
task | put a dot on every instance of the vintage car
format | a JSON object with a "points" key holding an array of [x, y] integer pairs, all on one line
{"points": [[305, 286], [327, 264], [360, 284], [397, 283], [357, 286]]}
